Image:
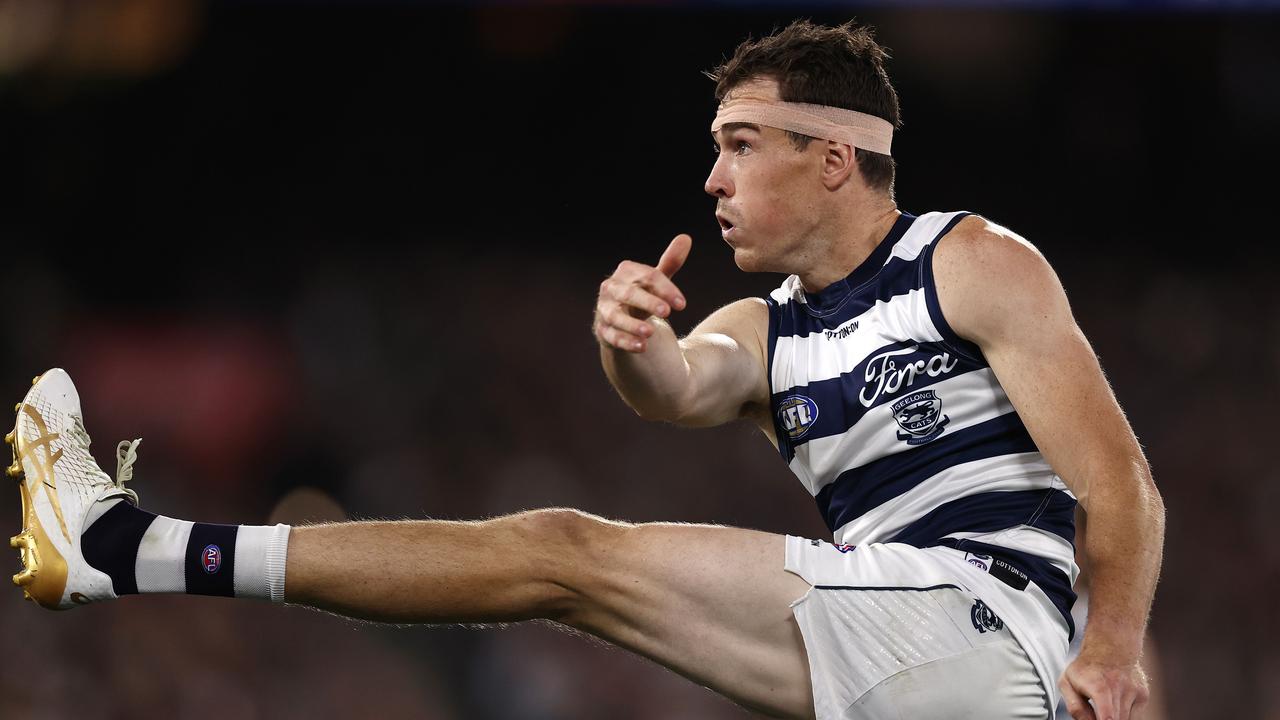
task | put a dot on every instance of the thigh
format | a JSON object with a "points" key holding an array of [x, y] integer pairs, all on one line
{"points": [[892, 631], [917, 654], [989, 681], [711, 603]]}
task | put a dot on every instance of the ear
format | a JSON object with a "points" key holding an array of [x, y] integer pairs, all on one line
{"points": [[839, 165]]}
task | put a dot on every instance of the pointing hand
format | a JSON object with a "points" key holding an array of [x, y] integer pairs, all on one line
{"points": [[636, 292]]}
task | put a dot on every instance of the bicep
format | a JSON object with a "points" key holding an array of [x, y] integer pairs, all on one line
{"points": [[1000, 293], [726, 357], [1063, 398]]}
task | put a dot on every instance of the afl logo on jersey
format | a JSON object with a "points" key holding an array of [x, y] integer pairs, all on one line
{"points": [[211, 558], [796, 414], [982, 562], [920, 416]]}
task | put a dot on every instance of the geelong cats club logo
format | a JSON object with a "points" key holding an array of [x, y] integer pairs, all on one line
{"points": [[984, 619], [920, 416], [796, 414]]}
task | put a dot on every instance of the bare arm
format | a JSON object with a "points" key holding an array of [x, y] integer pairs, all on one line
{"points": [[1151, 662], [999, 292], [714, 375]]}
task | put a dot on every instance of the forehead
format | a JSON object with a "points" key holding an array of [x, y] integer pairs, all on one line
{"points": [[757, 88]]}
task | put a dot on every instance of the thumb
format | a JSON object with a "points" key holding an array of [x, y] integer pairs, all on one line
{"points": [[674, 256]]}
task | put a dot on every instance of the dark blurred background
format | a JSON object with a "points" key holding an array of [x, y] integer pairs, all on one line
{"points": [[338, 259]]}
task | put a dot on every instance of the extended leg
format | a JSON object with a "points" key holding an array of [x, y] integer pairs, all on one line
{"points": [[711, 603]]}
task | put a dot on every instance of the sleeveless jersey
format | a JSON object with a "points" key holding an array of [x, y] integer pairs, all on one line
{"points": [[899, 428]]}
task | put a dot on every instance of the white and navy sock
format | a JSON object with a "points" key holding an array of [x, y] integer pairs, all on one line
{"points": [[147, 553]]}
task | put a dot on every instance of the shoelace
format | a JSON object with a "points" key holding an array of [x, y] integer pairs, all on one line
{"points": [[126, 455]]}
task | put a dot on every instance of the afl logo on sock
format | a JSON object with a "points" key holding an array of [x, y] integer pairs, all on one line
{"points": [[796, 415], [211, 558]]}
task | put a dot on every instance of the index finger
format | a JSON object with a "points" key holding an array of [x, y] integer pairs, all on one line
{"points": [[660, 285], [1077, 704], [1108, 707]]}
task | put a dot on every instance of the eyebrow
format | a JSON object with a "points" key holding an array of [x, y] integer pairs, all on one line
{"points": [[730, 127]]}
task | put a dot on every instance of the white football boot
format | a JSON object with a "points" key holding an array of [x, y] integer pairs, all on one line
{"points": [[61, 487]]}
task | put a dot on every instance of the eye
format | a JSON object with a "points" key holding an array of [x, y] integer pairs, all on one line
{"points": [[741, 147]]}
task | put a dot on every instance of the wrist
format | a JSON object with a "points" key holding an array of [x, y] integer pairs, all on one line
{"points": [[1111, 648]]}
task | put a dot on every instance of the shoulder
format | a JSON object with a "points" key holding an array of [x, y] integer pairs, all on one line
{"points": [[745, 320], [989, 279], [978, 246], [741, 319], [752, 308]]}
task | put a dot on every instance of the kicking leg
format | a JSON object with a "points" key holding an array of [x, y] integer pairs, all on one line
{"points": [[711, 603]]}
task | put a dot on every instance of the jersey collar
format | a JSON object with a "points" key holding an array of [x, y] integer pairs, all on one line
{"points": [[836, 291]]}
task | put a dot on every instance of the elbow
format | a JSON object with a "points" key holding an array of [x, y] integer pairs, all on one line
{"points": [[663, 408], [654, 413], [1157, 509], [1152, 500], [674, 410]]}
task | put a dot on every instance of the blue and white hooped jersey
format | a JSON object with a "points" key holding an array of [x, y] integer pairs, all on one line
{"points": [[899, 428]]}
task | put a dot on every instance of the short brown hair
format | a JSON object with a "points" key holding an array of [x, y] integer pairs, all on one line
{"points": [[840, 66]]}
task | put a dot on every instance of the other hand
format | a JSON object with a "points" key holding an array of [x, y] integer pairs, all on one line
{"points": [[1118, 690]]}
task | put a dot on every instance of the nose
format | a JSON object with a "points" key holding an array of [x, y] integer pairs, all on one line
{"points": [[718, 183]]}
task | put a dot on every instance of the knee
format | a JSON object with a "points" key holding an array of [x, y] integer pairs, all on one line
{"points": [[564, 532], [567, 559]]}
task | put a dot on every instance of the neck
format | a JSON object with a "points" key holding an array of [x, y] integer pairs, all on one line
{"points": [[850, 241]]}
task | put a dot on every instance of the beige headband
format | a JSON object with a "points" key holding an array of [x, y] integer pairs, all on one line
{"points": [[820, 121]]}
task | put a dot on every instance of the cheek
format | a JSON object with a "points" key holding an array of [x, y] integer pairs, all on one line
{"points": [[779, 207], [790, 177], [766, 195]]}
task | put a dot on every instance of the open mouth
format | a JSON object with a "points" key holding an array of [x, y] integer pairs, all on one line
{"points": [[725, 225]]}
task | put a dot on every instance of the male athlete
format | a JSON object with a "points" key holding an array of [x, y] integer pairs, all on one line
{"points": [[922, 375]]}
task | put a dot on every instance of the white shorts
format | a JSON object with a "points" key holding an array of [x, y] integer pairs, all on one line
{"points": [[894, 631]]}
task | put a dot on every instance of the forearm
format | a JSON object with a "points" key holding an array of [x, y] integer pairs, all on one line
{"points": [[654, 383], [1123, 548]]}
